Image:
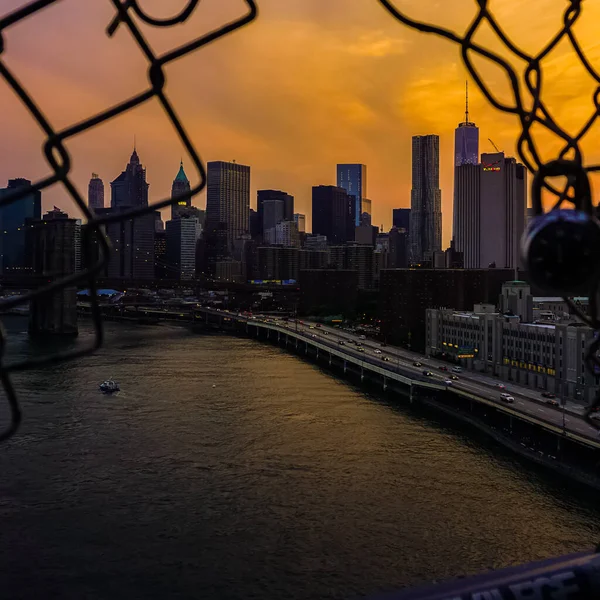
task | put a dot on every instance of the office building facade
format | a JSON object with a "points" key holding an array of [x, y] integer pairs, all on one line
{"points": [[401, 218], [333, 213], [228, 199], [182, 234], [426, 199], [13, 220], [353, 178], [490, 211]]}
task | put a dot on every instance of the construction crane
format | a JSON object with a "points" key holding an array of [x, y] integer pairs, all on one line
{"points": [[492, 143]]}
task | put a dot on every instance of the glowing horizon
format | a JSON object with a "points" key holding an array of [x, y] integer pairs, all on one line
{"points": [[305, 87]]}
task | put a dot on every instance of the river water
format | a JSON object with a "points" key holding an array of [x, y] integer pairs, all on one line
{"points": [[229, 469]]}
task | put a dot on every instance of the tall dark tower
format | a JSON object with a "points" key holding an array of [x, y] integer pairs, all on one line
{"points": [[181, 185], [425, 236], [133, 239], [96, 192], [466, 138], [129, 189], [466, 152]]}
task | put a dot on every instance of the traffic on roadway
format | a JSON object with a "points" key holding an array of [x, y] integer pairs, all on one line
{"points": [[416, 366]]}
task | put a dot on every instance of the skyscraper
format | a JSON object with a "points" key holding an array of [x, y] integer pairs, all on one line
{"points": [[51, 244], [285, 212], [353, 178], [130, 189], [401, 218], [181, 185], [466, 139], [425, 199], [228, 199], [13, 218], [182, 235], [333, 213], [490, 211], [96, 192], [132, 239]]}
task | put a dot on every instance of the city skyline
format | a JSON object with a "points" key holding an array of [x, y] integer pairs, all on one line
{"points": [[371, 121]]}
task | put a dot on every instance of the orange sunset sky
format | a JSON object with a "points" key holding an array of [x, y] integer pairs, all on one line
{"points": [[309, 84]]}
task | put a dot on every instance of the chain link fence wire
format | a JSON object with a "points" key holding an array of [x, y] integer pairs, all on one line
{"points": [[127, 12], [527, 91]]}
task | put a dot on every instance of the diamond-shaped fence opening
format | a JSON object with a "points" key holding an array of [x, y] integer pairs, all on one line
{"points": [[128, 13]]}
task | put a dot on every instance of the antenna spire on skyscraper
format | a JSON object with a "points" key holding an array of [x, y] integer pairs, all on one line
{"points": [[467, 101]]}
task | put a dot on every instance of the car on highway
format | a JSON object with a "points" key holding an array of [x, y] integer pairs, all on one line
{"points": [[311, 326], [443, 368], [386, 359], [341, 343], [548, 395], [314, 335], [318, 325], [378, 352], [448, 382], [417, 364], [553, 402], [428, 373], [456, 369], [595, 416], [454, 377], [360, 349], [500, 386], [507, 398]]}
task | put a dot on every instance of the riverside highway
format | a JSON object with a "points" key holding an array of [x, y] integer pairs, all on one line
{"points": [[526, 400]]}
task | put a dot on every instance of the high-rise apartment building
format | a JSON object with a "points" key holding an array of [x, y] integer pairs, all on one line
{"points": [[353, 178], [490, 211], [333, 213], [13, 218], [228, 199], [96, 192], [426, 199]]}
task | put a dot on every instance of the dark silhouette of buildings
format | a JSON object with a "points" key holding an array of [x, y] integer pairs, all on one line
{"points": [[398, 248], [13, 218], [353, 178], [425, 233], [51, 243], [132, 239], [356, 257], [273, 206], [327, 292], [333, 213], [406, 294], [130, 189], [401, 218], [96, 192]]}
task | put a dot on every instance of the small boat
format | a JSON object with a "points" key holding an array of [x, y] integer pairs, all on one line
{"points": [[109, 386]]}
